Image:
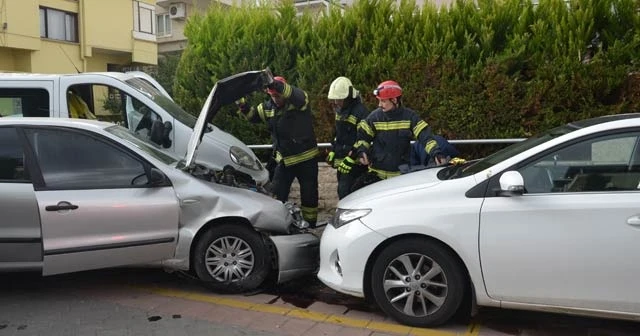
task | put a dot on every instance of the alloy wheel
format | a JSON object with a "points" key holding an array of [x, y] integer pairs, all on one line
{"points": [[415, 285], [229, 259]]}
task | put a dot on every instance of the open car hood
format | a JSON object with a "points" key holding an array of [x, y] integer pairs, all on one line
{"points": [[225, 91]]}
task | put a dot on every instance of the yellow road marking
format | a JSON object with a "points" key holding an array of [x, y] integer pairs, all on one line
{"points": [[308, 315], [389, 327], [430, 332], [472, 330], [346, 321]]}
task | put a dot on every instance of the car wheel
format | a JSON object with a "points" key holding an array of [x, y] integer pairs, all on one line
{"points": [[231, 258], [417, 282]]}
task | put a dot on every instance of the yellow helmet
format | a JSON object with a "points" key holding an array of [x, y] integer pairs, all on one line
{"points": [[342, 88]]}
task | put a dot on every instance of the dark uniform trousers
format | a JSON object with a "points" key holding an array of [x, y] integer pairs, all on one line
{"points": [[307, 174]]}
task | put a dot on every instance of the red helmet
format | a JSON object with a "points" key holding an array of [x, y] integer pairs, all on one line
{"points": [[279, 79], [387, 90]]}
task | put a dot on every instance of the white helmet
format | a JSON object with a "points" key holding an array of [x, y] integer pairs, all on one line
{"points": [[342, 88]]}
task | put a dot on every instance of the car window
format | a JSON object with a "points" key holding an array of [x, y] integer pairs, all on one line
{"points": [[12, 163], [142, 144], [508, 152], [106, 103], [167, 104], [24, 102], [75, 160], [606, 163]]}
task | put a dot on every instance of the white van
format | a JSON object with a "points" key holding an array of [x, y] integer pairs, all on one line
{"points": [[130, 100]]}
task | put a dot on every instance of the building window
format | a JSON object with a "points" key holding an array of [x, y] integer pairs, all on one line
{"points": [[58, 25], [144, 21], [164, 25]]}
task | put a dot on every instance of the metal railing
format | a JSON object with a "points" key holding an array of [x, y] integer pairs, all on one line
{"points": [[455, 142]]}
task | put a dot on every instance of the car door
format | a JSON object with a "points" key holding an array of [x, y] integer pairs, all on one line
{"points": [[108, 99], [96, 207], [572, 239], [20, 234]]}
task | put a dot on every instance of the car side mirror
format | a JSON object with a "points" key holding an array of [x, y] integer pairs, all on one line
{"points": [[157, 178], [511, 184]]}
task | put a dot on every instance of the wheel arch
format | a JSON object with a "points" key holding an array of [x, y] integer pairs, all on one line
{"points": [[469, 288], [210, 225]]}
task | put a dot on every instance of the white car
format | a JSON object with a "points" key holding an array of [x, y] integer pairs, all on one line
{"points": [[551, 223]]}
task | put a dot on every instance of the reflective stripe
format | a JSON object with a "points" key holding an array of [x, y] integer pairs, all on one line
{"points": [[419, 127], [383, 174], [286, 92], [278, 157], [392, 125], [359, 143], [366, 128], [430, 146], [304, 156], [261, 113], [350, 119], [306, 102], [310, 214]]}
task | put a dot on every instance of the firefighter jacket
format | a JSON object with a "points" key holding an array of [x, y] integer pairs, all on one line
{"points": [[291, 125], [386, 138], [347, 119]]}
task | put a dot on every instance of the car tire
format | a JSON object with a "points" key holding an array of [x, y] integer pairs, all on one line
{"points": [[399, 287], [231, 258]]}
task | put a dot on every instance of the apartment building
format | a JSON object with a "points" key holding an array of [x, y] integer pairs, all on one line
{"points": [[67, 36], [171, 16]]}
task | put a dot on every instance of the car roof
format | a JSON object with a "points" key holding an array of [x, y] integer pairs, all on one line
{"points": [[62, 122], [39, 76], [603, 119]]}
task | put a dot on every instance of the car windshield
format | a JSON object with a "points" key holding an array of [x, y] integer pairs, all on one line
{"points": [[477, 166], [163, 101], [145, 146]]}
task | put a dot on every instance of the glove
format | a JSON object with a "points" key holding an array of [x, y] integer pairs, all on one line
{"points": [[330, 158], [346, 165]]}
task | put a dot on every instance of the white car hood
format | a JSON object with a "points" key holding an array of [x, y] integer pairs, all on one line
{"points": [[416, 180]]}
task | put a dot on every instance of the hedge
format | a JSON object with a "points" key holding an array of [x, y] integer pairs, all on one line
{"points": [[490, 69]]}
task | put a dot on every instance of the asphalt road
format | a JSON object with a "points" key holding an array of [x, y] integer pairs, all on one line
{"points": [[142, 301]]}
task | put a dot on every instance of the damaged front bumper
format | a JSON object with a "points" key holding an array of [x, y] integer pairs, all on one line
{"points": [[296, 255]]}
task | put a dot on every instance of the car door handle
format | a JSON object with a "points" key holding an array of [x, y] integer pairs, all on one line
{"points": [[61, 206], [635, 220]]}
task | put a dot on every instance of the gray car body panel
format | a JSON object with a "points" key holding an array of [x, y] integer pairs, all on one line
{"points": [[198, 204], [20, 233]]}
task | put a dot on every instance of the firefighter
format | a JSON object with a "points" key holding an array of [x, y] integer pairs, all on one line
{"points": [[287, 114], [349, 109], [384, 137], [419, 156]]}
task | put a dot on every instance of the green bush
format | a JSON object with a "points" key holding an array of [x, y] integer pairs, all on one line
{"points": [[485, 69]]}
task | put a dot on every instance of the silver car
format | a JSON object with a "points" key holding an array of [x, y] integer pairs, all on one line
{"points": [[79, 195]]}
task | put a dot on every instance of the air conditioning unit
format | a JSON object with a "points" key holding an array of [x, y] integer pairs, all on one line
{"points": [[178, 10]]}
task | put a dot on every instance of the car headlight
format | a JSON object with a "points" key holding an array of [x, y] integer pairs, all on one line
{"points": [[240, 157], [344, 216]]}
